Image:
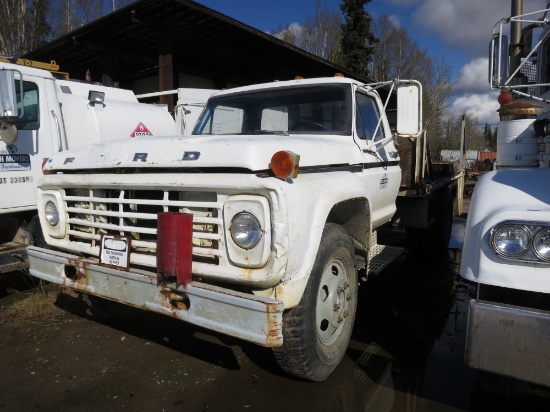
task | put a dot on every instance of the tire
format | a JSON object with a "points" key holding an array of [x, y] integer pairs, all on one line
{"points": [[316, 333], [107, 309]]}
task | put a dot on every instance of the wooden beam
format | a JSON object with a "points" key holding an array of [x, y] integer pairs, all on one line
{"points": [[166, 69]]}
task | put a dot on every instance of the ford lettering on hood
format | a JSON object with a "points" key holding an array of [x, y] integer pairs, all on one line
{"points": [[236, 151]]}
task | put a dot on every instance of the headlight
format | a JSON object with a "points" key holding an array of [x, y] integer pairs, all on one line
{"points": [[246, 230], [541, 244], [51, 213], [511, 240]]}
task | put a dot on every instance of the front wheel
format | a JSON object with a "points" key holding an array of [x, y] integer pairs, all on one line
{"points": [[316, 333]]}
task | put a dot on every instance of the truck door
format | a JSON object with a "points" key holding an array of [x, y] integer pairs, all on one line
{"points": [[21, 161], [381, 172]]}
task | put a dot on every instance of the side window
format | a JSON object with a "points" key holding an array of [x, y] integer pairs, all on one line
{"points": [[359, 123], [367, 122], [30, 103]]}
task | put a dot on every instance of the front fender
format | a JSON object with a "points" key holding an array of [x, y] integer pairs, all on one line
{"points": [[506, 194], [310, 199]]}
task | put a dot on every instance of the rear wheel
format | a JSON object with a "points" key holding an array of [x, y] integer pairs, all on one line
{"points": [[316, 333]]}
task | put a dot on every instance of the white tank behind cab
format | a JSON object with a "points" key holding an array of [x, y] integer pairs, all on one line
{"points": [[517, 144], [120, 116]]}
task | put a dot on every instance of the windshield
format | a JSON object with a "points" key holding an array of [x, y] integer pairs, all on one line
{"points": [[319, 109]]}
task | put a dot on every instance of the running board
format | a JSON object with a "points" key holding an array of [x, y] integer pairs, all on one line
{"points": [[381, 256]]}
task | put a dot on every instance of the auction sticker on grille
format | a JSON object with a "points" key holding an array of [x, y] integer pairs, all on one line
{"points": [[115, 251]]}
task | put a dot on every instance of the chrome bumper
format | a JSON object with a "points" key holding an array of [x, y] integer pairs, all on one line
{"points": [[509, 340], [245, 316]]}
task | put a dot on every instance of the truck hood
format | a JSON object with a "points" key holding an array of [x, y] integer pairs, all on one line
{"points": [[229, 151]]}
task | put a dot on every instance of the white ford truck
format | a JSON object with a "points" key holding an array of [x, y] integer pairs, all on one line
{"points": [[41, 115], [507, 240], [256, 224]]}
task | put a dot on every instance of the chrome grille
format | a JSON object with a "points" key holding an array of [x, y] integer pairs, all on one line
{"points": [[95, 212]]}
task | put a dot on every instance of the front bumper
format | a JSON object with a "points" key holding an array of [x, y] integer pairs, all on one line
{"points": [[245, 316], [509, 340]]}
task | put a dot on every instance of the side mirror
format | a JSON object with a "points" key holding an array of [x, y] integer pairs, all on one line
{"points": [[409, 108], [8, 95], [498, 60]]}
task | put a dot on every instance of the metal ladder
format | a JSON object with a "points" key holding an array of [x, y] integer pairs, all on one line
{"points": [[380, 256]]}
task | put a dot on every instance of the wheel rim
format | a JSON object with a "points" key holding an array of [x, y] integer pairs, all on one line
{"points": [[332, 302]]}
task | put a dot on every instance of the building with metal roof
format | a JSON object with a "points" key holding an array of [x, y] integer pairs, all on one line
{"points": [[153, 45]]}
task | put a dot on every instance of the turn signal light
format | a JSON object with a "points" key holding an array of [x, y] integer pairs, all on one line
{"points": [[284, 164]]}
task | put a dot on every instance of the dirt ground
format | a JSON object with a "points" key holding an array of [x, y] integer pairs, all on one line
{"points": [[56, 355], [406, 354]]}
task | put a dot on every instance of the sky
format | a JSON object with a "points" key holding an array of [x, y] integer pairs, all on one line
{"points": [[457, 31]]}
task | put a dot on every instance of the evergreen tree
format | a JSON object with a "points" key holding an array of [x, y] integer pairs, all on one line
{"points": [[490, 137], [38, 26], [23, 26], [357, 38]]}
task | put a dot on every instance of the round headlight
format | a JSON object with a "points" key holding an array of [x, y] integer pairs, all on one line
{"points": [[51, 212], [246, 230], [541, 244], [511, 240]]}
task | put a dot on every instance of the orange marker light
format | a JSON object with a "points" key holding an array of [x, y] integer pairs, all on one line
{"points": [[284, 164], [505, 98]]}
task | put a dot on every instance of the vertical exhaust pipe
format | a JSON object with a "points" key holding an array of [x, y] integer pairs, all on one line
{"points": [[515, 36]]}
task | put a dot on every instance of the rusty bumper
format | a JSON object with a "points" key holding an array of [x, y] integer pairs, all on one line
{"points": [[245, 316], [509, 340]]}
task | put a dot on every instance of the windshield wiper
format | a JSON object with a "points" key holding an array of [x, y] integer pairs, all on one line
{"points": [[261, 131]]}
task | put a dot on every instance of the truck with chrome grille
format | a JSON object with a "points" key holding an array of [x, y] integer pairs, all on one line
{"points": [[507, 240], [257, 224]]}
